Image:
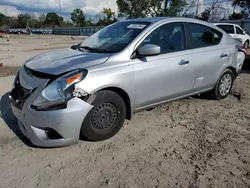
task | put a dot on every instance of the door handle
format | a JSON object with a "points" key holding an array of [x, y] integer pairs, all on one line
{"points": [[223, 55], [183, 62]]}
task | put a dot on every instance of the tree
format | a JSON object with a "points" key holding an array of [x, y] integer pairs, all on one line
{"points": [[67, 24], [22, 20], [110, 15], [106, 17], [166, 7], [236, 16], [215, 12], [143, 8], [41, 18], [3, 19], [89, 22], [242, 3], [53, 19], [78, 17], [13, 22], [133, 8]]}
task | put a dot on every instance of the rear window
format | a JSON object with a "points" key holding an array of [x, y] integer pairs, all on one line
{"points": [[203, 36], [239, 31], [227, 28]]}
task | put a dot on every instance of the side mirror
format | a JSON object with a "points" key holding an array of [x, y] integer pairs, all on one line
{"points": [[149, 50]]}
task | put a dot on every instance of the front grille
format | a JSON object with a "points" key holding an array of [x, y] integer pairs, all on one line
{"points": [[23, 92], [19, 94]]}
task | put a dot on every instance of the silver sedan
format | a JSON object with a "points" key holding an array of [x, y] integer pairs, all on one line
{"points": [[88, 90]]}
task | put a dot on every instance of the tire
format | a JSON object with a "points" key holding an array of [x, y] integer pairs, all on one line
{"points": [[106, 118], [218, 93], [246, 44]]}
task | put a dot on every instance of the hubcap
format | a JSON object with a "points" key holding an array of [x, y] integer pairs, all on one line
{"points": [[225, 84], [104, 117]]}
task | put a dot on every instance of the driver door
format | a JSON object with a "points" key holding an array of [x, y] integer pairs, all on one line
{"points": [[167, 75]]}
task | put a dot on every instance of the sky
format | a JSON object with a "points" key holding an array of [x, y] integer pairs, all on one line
{"points": [[37, 7], [90, 7]]}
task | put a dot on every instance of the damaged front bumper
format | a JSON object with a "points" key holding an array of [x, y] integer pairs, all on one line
{"points": [[54, 128], [51, 128]]}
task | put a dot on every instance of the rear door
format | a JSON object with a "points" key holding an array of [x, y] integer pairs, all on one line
{"points": [[208, 56]]}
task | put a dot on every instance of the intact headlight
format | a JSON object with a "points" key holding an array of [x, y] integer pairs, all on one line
{"points": [[59, 91]]}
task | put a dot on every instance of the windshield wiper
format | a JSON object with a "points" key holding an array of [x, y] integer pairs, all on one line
{"points": [[89, 49]]}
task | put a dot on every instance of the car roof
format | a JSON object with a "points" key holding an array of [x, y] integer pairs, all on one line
{"points": [[225, 24], [149, 19], [160, 19]]}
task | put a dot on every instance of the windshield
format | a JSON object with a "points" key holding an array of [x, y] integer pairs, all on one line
{"points": [[114, 38]]}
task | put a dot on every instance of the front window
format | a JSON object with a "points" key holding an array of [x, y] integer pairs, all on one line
{"points": [[170, 37], [114, 38]]}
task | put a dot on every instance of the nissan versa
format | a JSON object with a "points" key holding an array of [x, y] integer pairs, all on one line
{"points": [[88, 90]]}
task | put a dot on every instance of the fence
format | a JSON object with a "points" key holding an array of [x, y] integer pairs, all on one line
{"points": [[34, 31], [85, 31]]}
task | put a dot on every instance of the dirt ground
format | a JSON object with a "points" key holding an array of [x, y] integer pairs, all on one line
{"points": [[22, 47], [194, 142]]}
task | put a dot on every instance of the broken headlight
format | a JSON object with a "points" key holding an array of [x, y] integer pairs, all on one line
{"points": [[59, 91]]}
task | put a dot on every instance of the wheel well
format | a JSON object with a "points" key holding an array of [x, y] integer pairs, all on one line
{"points": [[233, 70], [246, 41], [125, 98]]}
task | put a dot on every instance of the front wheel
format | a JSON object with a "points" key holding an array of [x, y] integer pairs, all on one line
{"points": [[223, 85], [106, 118]]}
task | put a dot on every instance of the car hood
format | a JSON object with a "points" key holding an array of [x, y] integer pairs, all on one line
{"points": [[61, 61]]}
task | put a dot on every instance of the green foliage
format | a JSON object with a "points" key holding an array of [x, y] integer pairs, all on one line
{"points": [[3, 19], [67, 24], [205, 15], [53, 19], [78, 17], [167, 7], [22, 20], [236, 16], [28, 20], [106, 17], [242, 3], [133, 8], [42, 18], [108, 13], [144, 8], [89, 22]]}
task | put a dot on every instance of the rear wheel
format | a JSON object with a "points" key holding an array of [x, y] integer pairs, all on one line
{"points": [[106, 118], [223, 85]]}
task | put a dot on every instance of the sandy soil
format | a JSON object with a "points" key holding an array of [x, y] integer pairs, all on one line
{"points": [[22, 47], [195, 142]]}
